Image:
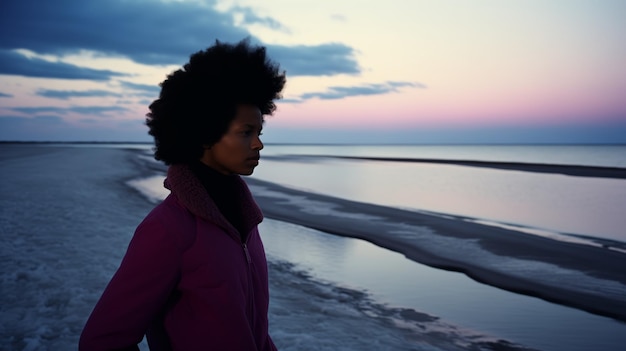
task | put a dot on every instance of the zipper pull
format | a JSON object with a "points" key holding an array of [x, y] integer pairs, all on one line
{"points": [[245, 249]]}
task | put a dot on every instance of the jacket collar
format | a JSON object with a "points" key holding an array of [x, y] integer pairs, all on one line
{"points": [[189, 191]]}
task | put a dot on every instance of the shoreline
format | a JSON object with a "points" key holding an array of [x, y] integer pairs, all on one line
{"points": [[569, 170]]}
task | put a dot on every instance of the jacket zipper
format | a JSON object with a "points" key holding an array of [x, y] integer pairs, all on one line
{"points": [[245, 250]]}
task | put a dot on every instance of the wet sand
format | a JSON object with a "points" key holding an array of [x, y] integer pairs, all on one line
{"points": [[571, 170]]}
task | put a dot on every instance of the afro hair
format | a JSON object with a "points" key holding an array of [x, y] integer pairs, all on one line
{"points": [[198, 102]]}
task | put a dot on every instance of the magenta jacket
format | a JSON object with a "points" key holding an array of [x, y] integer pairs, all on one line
{"points": [[187, 280]]}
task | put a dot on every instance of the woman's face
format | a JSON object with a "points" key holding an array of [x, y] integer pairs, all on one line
{"points": [[237, 152]]}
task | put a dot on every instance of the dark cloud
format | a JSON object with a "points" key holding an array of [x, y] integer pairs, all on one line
{"points": [[96, 110], [87, 110], [13, 63], [5, 95], [66, 94], [150, 32], [319, 60], [370, 89]]}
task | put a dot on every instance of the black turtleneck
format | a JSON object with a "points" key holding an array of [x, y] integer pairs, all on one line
{"points": [[224, 190]]}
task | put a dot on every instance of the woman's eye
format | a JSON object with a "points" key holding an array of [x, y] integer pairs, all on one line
{"points": [[250, 132]]}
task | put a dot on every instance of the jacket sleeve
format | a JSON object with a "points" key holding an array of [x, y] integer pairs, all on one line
{"points": [[137, 292]]}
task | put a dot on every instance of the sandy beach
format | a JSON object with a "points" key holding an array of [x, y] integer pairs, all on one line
{"points": [[64, 239]]}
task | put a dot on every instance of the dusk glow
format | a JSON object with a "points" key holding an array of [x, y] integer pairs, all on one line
{"points": [[365, 72]]}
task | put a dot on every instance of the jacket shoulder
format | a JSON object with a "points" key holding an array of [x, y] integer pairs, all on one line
{"points": [[171, 219]]}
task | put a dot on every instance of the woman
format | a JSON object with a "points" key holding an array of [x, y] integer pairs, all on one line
{"points": [[194, 276]]}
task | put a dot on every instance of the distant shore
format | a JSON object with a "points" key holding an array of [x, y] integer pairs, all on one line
{"points": [[571, 170]]}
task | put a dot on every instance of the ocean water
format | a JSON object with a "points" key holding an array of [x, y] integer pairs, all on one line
{"points": [[466, 308], [545, 204], [584, 155]]}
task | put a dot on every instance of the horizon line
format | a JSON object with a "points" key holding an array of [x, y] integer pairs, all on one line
{"points": [[334, 143]]}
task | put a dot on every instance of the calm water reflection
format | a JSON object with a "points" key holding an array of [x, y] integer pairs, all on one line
{"points": [[587, 206], [397, 281]]}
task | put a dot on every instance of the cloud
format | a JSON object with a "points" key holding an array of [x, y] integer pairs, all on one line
{"points": [[338, 17], [317, 60], [5, 95], [86, 110], [66, 94], [249, 17], [150, 32], [369, 89], [291, 101], [13, 63], [142, 89]]}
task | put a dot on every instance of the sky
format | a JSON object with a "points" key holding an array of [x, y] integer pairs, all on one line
{"points": [[393, 71]]}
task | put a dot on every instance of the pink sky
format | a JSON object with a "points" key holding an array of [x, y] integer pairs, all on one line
{"points": [[374, 66]]}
